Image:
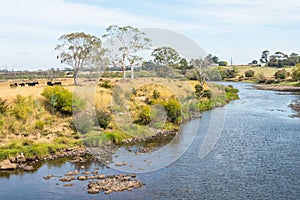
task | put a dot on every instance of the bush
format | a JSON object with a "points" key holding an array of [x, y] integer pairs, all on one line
{"points": [[281, 74], [261, 78], [207, 93], [103, 118], [146, 115], [106, 84], [249, 73], [173, 109], [82, 123], [39, 125], [222, 63], [296, 72], [22, 107], [198, 89], [155, 94], [227, 73], [62, 99]]}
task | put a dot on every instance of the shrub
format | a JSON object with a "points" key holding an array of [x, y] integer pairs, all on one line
{"points": [[198, 89], [146, 115], [222, 63], [281, 74], [39, 125], [155, 94], [227, 73], [82, 123], [106, 84], [103, 118], [296, 72], [261, 78], [207, 93], [22, 107], [173, 109], [249, 73], [62, 99]]}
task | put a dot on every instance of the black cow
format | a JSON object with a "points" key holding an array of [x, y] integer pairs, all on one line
{"points": [[49, 83], [57, 83], [12, 85], [22, 84]]}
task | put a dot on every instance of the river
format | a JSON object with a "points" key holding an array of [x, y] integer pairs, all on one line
{"points": [[256, 156]]}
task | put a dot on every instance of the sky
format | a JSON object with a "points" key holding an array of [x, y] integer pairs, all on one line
{"points": [[237, 29]]}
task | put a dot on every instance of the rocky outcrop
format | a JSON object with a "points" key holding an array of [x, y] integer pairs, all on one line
{"points": [[7, 165], [115, 183]]}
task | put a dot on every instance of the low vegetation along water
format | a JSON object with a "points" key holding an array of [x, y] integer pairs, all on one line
{"points": [[256, 156]]}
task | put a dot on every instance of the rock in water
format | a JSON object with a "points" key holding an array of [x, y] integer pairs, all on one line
{"points": [[7, 165]]}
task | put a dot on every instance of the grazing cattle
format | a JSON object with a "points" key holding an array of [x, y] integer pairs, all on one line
{"points": [[32, 83], [55, 83], [12, 85], [22, 84]]}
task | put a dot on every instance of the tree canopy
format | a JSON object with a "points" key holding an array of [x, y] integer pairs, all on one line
{"points": [[127, 40], [79, 50]]}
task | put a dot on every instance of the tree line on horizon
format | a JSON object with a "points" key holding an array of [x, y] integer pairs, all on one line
{"points": [[278, 59]]}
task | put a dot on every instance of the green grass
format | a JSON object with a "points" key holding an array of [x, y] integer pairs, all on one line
{"points": [[30, 149]]}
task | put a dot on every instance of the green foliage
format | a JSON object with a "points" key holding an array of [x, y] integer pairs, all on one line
{"points": [[104, 118], [249, 73], [231, 93], [31, 150], [62, 99], [296, 73], [166, 56], [222, 63], [106, 84], [155, 94], [77, 49], [22, 107], [83, 122], [202, 93], [207, 93], [198, 89], [173, 109], [128, 40], [227, 73], [281, 74], [146, 115], [38, 124]]}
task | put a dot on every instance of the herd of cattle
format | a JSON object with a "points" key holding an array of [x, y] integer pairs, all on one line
{"points": [[49, 83]]}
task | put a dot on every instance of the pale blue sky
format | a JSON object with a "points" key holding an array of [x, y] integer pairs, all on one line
{"points": [[240, 29]]}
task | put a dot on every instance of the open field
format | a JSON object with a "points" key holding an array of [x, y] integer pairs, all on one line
{"points": [[266, 71], [7, 92]]}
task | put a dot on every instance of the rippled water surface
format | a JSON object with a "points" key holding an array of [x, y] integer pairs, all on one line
{"points": [[256, 156]]}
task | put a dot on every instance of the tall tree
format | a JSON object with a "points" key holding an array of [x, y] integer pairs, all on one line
{"points": [[79, 50], [265, 56], [166, 56], [129, 40]]}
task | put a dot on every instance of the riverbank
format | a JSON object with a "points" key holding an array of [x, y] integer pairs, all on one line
{"points": [[283, 88], [25, 147]]}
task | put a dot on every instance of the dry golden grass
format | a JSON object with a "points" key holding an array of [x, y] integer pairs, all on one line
{"points": [[7, 92], [266, 71]]}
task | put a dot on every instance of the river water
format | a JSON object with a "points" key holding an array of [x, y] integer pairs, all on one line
{"points": [[256, 155]]}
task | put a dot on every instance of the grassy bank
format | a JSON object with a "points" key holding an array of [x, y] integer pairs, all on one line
{"points": [[42, 125]]}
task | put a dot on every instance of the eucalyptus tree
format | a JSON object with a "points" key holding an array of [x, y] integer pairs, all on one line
{"points": [[265, 57], [126, 41], [165, 56], [79, 50]]}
